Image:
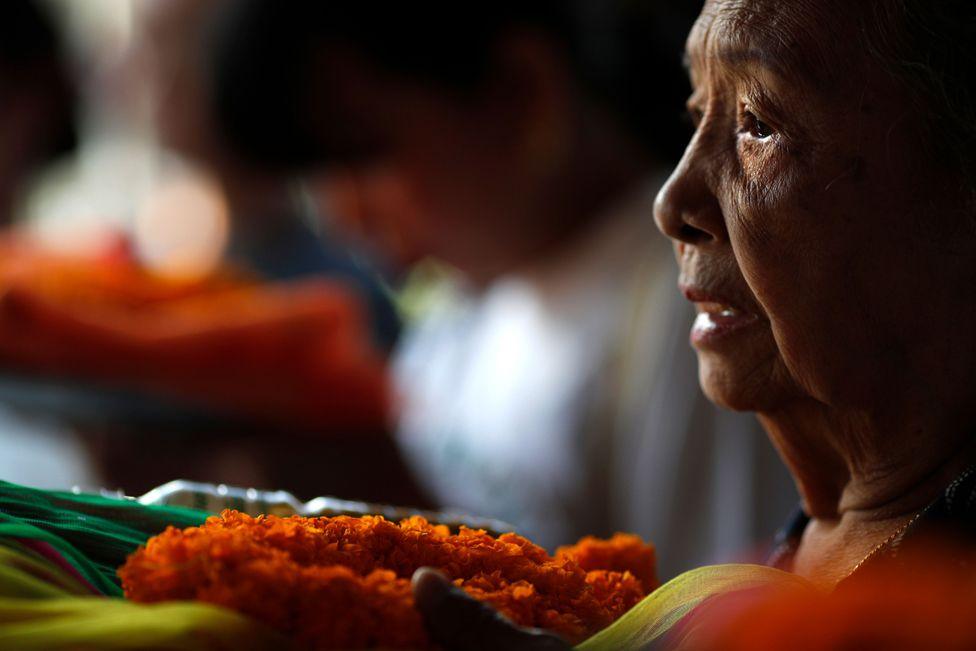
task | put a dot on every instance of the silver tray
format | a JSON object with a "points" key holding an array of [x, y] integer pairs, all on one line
{"points": [[214, 498]]}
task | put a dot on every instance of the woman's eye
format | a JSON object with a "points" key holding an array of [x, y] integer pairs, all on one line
{"points": [[756, 127]]}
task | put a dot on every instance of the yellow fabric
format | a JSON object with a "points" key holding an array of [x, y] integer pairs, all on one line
{"points": [[108, 623], [23, 574], [25, 577], [652, 618], [40, 609]]}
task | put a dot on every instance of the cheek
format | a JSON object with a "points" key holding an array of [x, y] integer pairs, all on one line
{"points": [[797, 252], [768, 226]]}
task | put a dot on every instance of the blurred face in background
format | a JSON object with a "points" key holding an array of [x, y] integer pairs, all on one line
{"points": [[472, 177]]}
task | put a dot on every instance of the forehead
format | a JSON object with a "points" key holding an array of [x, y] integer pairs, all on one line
{"points": [[804, 40]]}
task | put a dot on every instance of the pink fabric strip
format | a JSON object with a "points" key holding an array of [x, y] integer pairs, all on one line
{"points": [[53, 555]]}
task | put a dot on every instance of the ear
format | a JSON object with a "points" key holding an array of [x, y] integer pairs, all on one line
{"points": [[532, 79]]}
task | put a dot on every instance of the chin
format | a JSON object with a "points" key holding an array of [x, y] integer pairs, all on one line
{"points": [[737, 386]]}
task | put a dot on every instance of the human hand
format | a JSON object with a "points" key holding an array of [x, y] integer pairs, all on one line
{"points": [[458, 622]]}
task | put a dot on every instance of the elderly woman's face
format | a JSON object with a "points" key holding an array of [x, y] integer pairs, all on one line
{"points": [[822, 252]]}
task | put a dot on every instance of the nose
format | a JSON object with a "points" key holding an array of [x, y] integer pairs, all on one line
{"points": [[686, 208]]}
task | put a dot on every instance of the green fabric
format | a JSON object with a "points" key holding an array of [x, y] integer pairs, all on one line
{"points": [[95, 534]]}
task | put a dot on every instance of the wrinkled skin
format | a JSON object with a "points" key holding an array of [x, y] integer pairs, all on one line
{"points": [[809, 202], [832, 228], [811, 207]]}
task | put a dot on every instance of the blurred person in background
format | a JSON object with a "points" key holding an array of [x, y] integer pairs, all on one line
{"points": [[519, 143], [75, 338], [38, 124], [37, 99], [271, 230]]}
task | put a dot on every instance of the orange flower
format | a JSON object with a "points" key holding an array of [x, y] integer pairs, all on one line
{"points": [[345, 582], [622, 553]]}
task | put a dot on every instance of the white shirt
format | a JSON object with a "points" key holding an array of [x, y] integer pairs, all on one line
{"points": [[531, 401]]}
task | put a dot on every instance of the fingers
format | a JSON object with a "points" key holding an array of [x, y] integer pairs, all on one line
{"points": [[459, 623]]}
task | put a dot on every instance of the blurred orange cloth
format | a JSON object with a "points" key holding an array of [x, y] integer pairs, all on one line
{"points": [[925, 602], [296, 353]]}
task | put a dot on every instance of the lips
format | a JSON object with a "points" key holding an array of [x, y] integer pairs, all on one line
{"points": [[718, 317]]}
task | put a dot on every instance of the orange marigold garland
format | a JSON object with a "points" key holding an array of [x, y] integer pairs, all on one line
{"points": [[623, 553], [345, 582]]}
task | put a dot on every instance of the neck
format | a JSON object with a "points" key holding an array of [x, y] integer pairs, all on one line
{"points": [[871, 465]]}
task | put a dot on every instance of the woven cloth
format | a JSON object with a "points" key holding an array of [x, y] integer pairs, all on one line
{"points": [[93, 534]]}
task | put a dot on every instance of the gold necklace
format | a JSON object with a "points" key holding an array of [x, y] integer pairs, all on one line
{"points": [[885, 543]]}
